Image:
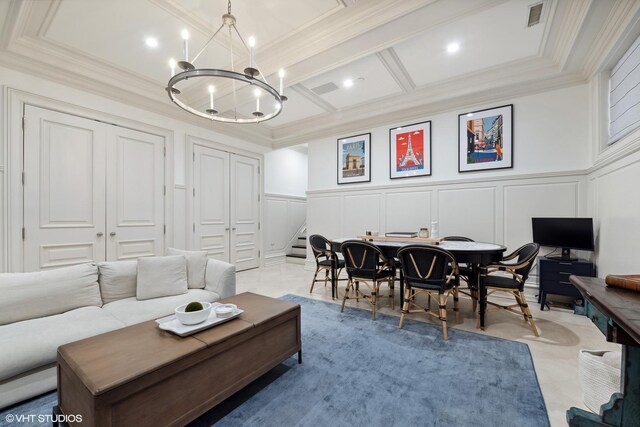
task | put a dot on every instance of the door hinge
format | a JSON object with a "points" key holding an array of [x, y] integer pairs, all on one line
{"points": [[24, 119], [194, 192], [164, 190], [258, 198], [258, 225], [258, 170], [258, 254], [194, 227], [165, 229], [194, 156], [23, 179], [24, 233], [164, 151]]}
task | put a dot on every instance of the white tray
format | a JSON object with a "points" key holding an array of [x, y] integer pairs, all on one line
{"points": [[172, 324]]}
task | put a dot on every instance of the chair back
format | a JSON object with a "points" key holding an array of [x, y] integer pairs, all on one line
{"points": [[363, 259], [321, 247], [457, 239], [428, 265], [526, 254]]}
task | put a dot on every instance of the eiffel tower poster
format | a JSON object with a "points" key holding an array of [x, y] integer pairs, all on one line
{"points": [[410, 150]]}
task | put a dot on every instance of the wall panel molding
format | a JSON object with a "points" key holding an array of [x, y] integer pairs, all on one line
{"points": [[283, 217]]}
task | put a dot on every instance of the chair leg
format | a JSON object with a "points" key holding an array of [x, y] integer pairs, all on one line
{"points": [[528, 313], [521, 303], [455, 298], [375, 290], [357, 291], [392, 294], [443, 314], [474, 299], [346, 295], [326, 277], [313, 282], [405, 305]]}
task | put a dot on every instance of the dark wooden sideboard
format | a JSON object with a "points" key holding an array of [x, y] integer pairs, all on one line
{"points": [[616, 312], [554, 277]]}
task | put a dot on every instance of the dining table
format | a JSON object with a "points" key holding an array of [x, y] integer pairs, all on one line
{"points": [[476, 255]]}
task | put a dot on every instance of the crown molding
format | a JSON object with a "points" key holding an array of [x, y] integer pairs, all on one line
{"points": [[520, 78], [623, 14], [572, 22]]}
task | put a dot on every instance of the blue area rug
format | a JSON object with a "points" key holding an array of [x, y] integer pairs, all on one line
{"points": [[359, 372]]}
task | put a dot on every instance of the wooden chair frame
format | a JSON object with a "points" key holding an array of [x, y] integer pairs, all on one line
{"points": [[373, 284], [521, 300], [410, 293], [329, 255], [473, 292]]}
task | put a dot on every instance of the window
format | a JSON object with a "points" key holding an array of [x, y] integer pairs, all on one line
{"points": [[624, 94]]}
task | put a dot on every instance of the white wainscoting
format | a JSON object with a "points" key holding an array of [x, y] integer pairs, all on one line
{"points": [[615, 205], [284, 215], [492, 210], [2, 223]]}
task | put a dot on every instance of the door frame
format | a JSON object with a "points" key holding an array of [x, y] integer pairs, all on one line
{"points": [[190, 141], [15, 102]]}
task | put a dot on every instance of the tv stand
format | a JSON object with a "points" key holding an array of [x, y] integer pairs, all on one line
{"points": [[566, 256], [554, 277]]}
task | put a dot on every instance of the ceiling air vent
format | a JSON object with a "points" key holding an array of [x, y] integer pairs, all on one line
{"points": [[325, 88], [535, 14]]}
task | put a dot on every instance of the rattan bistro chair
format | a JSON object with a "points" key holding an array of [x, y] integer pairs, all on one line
{"points": [[467, 273], [326, 258], [495, 280], [365, 263], [428, 269]]}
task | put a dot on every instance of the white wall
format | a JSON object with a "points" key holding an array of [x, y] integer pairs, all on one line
{"points": [[552, 150], [551, 134], [285, 172], [69, 96]]}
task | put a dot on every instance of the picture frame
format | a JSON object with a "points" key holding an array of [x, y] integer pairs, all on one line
{"points": [[485, 139], [410, 152], [354, 159]]}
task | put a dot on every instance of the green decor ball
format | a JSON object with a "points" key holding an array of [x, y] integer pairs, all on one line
{"points": [[193, 306]]}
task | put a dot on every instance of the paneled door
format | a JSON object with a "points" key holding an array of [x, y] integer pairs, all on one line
{"points": [[92, 191], [226, 206], [135, 194], [211, 227], [245, 212], [64, 189]]}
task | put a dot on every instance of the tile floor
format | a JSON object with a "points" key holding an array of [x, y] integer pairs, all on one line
{"points": [[555, 352]]}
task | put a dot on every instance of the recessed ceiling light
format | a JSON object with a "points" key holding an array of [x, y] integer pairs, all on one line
{"points": [[151, 41], [347, 83], [453, 47]]}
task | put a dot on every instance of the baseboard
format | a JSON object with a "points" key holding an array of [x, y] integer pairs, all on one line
{"points": [[294, 260]]}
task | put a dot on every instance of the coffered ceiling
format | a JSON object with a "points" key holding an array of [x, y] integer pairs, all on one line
{"points": [[395, 53]]}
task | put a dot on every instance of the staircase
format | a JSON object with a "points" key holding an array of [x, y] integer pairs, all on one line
{"points": [[298, 253]]}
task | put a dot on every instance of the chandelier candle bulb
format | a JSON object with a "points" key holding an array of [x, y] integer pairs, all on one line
{"points": [[185, 37], [252, 43], [172, 65], [211, 90]]}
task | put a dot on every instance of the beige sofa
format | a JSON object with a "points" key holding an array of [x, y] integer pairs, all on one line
{"points": [[43, 310]]}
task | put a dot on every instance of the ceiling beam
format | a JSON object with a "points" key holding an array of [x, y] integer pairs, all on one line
{"points": [[394, 66]]}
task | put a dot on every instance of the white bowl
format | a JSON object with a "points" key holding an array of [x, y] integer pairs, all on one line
{"points": [[193, 317], [225, 310]]}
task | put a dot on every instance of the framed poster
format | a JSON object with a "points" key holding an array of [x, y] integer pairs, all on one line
{"points": [[354, 159], [410, 150], [485, 139]]}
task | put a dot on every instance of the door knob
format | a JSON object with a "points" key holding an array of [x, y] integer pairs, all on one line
{"points": [[100, 234], [234, 229], [227, 229], [113, 233]]}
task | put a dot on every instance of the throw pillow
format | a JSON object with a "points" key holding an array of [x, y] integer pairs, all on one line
{"points": [[161, 277], [196, 266]]}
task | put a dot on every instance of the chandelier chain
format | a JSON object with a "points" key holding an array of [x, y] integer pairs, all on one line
{"points": [[229, 7]]}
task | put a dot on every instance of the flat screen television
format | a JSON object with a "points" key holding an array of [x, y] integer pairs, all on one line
{"points": [[565, 233]]}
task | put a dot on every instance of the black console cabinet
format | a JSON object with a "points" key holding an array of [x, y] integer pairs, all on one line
{"points": [[554, 277]]}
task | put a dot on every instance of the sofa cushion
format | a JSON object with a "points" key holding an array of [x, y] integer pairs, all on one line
{"points": [[131, 311], [34, 343], [43, 293], [117, 280], [196, 266], [161, 276]]}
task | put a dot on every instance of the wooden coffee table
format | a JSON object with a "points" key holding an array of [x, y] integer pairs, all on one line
{"points": [[141, 375]]}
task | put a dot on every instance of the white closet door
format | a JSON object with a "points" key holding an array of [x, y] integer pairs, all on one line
{"points": [[211, 202], [245, 212], [135, 194], [64, 189]]}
